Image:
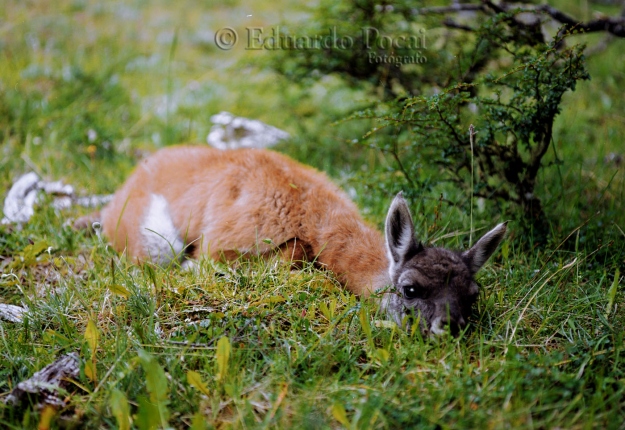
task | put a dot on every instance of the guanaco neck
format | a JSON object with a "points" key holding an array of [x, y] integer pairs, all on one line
{"points": [[354, 251]]}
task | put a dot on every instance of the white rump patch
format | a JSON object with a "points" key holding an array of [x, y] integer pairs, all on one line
{"points": [[162, 241]]}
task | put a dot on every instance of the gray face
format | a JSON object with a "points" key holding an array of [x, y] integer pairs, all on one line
{"points": [[433, 285], [436, 285]]}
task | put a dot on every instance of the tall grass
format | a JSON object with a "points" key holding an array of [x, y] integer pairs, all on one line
{"points": [[256, 344]]}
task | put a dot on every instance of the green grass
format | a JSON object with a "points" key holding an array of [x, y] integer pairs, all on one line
{"points": [[545, 345]]}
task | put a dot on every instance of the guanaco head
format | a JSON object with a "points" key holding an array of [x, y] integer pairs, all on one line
{"points": [[433, 285]]}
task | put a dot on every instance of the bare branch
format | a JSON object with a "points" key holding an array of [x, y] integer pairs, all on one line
{"points": [[455, 8], [448, 22], [613, 25]]}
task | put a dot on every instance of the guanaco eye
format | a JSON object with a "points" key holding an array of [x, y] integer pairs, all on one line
{"points": [[413, 292]]}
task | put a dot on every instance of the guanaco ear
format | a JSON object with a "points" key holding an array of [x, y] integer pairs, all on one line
{"points": [[400, 241], [484, 248]]}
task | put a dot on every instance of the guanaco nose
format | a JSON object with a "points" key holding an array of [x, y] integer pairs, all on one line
{"points": [[445, 323]]}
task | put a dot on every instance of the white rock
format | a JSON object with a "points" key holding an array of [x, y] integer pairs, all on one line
{"points": [[19, 204], [20, 201], [233, 132], [12, 313]]}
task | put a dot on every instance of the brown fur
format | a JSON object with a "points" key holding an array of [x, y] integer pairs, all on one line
{"points": [[227, 202]]}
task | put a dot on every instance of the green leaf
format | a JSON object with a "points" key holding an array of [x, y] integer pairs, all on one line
{"points": [[612, 292], [32, 251], [363, 316], [223, 357], [156, 382], [198, 422], [147, 417], [328, 309], [155, 377], [28, 256], [339, 414], [323, 307], [382, 355], [272, 299], [91, 336], [195, 380], [120, 409], [90, 370], [53, 336], [119, 290], [47, 415], [505, 250]]}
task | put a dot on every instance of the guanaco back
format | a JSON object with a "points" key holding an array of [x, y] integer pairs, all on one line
{"points": [[185, 201]]}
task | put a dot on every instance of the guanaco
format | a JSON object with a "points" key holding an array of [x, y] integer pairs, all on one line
{"points": [[184, 201]]}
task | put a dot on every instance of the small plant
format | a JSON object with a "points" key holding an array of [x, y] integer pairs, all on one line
{"points": [[514, 116], [502, 78]]}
